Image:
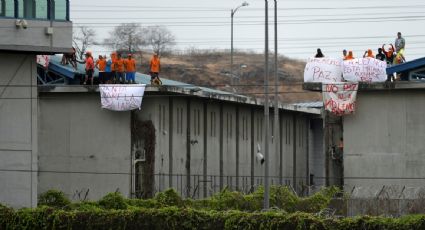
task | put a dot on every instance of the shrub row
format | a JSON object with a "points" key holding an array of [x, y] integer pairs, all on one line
{"points": [[185, 218], [281, 198]]}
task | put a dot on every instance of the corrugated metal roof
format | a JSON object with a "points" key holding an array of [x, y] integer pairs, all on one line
{"points": [[310, 104], [407, 66]]}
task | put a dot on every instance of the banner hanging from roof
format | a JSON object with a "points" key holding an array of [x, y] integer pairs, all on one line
{"points": [[340, 98], [365, 70], [122, 97], [323, 70]]}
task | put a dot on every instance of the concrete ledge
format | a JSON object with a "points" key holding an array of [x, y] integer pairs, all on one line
{"points": [[381, 86], [182, 91]]}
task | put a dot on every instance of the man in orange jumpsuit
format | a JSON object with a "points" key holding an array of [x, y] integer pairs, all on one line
{"points": [[101, 65], [113, 74], [119, 68], [155, 66], [130, 69], [89, 67]]}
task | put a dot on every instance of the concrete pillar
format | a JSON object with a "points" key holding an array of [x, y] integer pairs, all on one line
{"points": [[18, 130]]}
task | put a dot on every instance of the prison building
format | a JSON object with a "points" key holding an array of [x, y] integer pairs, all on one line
{"points": [[205, 140]]}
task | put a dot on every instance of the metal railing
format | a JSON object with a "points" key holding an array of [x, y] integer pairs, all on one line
{"points": [[200, 186]]}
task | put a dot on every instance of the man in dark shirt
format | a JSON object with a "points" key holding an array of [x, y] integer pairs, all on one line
{"points": [[380, 55]]}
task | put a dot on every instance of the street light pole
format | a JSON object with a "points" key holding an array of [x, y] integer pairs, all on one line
{"points": [[266, 112], [276, 124], [232, 13]]}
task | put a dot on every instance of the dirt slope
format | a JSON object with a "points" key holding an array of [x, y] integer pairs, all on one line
{"points": [[212, 69]]}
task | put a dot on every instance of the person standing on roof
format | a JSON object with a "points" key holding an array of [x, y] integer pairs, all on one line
{"points": [[399, 49], [380, 56], [101, 65], [108, 73], [344, 54], [113, 70], [130, 69], [319, 54], [154, 66], [89, 67], [119, 67], [350, 55], [399, 42], [389, 55], [368, 53]]}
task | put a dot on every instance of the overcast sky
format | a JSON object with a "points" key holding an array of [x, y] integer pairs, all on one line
{"points": [[303, 25]]}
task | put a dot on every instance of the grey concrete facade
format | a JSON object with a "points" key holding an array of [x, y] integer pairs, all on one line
{"points": [[18, 130], [204, 154], [384, 139], [84, 150], [35, 37], [202, 145]]}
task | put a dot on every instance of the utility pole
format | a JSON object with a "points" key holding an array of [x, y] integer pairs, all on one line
{"points": [[266, 111], [276, 137]]}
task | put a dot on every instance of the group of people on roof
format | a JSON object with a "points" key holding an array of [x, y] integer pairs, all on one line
{"points": [[392, 56], [115, 70]]}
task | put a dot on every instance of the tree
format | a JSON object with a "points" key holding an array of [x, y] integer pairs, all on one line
{"points": [[83, 38], [126, 36], [159, 38]]}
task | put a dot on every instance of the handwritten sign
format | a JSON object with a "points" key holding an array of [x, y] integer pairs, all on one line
{"points": [[43, 60], [323, 70], [122, 97], [365, 70], [340, 98]]}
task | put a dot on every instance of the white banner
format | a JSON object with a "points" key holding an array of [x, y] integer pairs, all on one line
{"points": [[340, 98], [122, 97], [43, 60], [365, 70], [323, 70]]}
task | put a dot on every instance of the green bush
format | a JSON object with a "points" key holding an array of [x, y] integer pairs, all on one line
{"points": [[281, 197], [141, 203], [184, 218], [169, 197], [113, 200], [53, 198], [318, 201], [86, 206]]}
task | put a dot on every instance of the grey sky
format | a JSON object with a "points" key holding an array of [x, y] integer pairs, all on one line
{"points": [[304, 25]]}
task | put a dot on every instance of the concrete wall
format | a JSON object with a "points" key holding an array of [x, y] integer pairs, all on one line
{"points": [[385, 139], [18, 130], [215, 159], [82, 148], [34, 38], [316, 154]]}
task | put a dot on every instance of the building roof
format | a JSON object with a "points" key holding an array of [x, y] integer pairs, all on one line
{"points": [[310, 104], [407, 66], [169, 86]]}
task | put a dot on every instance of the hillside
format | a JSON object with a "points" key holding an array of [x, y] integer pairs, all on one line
{"points": [[212, 69]]}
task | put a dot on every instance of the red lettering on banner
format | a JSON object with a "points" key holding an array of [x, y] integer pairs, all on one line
{"points": [[340, 98]]}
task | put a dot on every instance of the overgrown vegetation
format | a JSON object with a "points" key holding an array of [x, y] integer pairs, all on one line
{"points": [[54, 198], [167, 210]]}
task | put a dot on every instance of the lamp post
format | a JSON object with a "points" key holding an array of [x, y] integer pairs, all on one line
{"points": [[232, 13], [266, 111], [276, 137]]}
